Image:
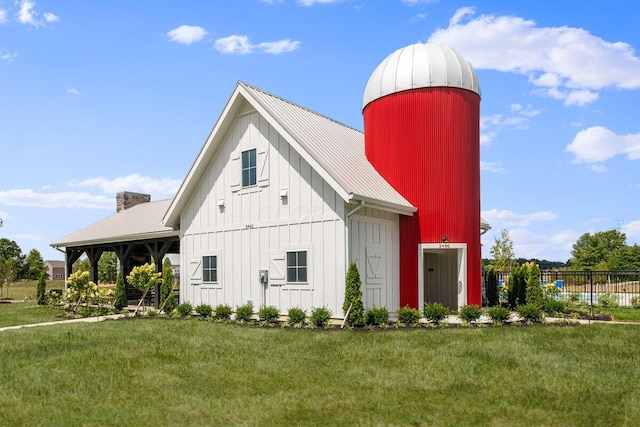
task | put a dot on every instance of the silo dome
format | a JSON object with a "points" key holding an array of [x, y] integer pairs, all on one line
{"points": [[420, 65]]}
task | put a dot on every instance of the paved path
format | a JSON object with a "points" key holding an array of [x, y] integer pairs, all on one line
{"points": [[59, 322]]}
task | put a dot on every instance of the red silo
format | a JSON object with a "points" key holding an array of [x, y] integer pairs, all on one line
{"points": [[421, 112]]}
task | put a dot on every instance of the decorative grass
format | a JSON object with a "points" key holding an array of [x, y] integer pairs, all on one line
{"points": [[22, 313], [157, 372]]}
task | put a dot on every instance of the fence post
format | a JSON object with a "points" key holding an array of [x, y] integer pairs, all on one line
{"points": [[591, 296]]}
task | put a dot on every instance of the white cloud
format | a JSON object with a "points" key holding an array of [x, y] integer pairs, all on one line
{"points": [[503, 218], [493, 167], [164, 187], [28, 15], [50, 17], [599, 168], [519, 118], [313, 2], [598, 144], [415, 2], [5, 55], [69, 199], [632, 229], [4, 215], [29, 237], [566, 63], [418, 17], [3, 16], [237, 44], [187, 34], [73, 91]]}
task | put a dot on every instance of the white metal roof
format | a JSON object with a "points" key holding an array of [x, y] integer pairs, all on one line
{"points": [[143, 221], [417, 66], [334, 150]]}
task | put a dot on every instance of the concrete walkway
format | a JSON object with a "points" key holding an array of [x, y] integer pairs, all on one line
{"points": [[60, 322]]}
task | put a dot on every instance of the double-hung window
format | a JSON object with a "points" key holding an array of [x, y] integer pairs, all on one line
{"points": [[249, 168], [297, 267], [210, 269]]}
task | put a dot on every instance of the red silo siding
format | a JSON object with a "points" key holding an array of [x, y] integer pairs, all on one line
{"points": [[425, 143]]}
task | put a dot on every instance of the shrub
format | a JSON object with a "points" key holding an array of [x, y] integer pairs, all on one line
{"points": [[470, 313], [320, 316], [574, 297], [499, 315], [120, 295], [530, 312], [353, 297], [377, 316], [493, 297], [223, 312], [184, 309], [167, 296], [608, 300], [435, 312], [268, 313], [517, 293], [204, 310], [635, 302], [297, 316], [244, 312], [533, 289], [41, 289], [408, 315], [553, 306]]}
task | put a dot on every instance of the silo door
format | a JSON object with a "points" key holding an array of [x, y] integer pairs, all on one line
{"points": [[441, 277]]}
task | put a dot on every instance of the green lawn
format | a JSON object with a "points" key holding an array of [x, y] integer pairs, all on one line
{"points": [[23, 313], [622, 314], [22, 291], [157, 372]]}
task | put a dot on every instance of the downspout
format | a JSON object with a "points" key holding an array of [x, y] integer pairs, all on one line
{"points": [[348, 226]]}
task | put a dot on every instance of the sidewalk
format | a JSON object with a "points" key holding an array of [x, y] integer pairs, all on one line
{"points": [[59, 322]]}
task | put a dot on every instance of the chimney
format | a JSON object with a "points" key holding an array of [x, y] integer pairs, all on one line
{"points": [[128, 199]]}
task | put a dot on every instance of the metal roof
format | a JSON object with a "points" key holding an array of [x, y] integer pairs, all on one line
{"points": [[417, 66], [334, 150], [140, 222]]}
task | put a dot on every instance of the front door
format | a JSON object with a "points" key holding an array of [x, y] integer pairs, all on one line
{"points": [[441, 277]]}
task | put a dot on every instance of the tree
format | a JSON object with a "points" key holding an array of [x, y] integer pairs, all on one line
{"points": [[120, 293], [533, 290], [493, 297], [502, 252], [517, 293], [41, 289], [81, 265], [599, 251], [34, 266], [108, 267], [9, 250], [8, 272], [353, 297], [167, 296]]}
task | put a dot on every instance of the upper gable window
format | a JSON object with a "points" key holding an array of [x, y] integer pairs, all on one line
{"points": [[249, 168]]}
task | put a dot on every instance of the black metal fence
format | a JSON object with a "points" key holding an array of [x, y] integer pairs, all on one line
{"points": [[588, 285]]}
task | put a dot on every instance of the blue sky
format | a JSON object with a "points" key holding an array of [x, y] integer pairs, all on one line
{"points": [[103, 96]]}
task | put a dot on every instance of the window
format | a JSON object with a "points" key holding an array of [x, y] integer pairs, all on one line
{"points": [[297, 266], [210, 269], [249, 168]]}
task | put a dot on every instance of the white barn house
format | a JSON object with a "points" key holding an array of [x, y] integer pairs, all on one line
{"points": [[278, 202]]}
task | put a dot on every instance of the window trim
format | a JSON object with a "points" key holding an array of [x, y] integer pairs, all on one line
{"points": [[249, 168], [219, 278], [297, 266]]}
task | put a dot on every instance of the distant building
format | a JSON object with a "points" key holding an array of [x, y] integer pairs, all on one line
{"points": [[55, 269]]}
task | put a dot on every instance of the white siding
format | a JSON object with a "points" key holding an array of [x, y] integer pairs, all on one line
{"points": [[374, 247], [255, 227]]}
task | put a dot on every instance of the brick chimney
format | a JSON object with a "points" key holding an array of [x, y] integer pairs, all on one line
{"points": [[128, 199]]}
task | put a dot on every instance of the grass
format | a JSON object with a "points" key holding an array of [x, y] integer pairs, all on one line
{"points": [[621, 314], [22, 291], [23, 313], [156, 372]]}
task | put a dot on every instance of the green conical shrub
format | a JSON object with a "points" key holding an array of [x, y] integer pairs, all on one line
{"points": [[353, 297]]}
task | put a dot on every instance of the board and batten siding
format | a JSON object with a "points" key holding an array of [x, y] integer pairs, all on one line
{"points": [[374, 247], [250, 229]]}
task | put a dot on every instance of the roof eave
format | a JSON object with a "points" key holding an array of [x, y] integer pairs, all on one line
{"points": [[402, 209], [117, 239]]}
